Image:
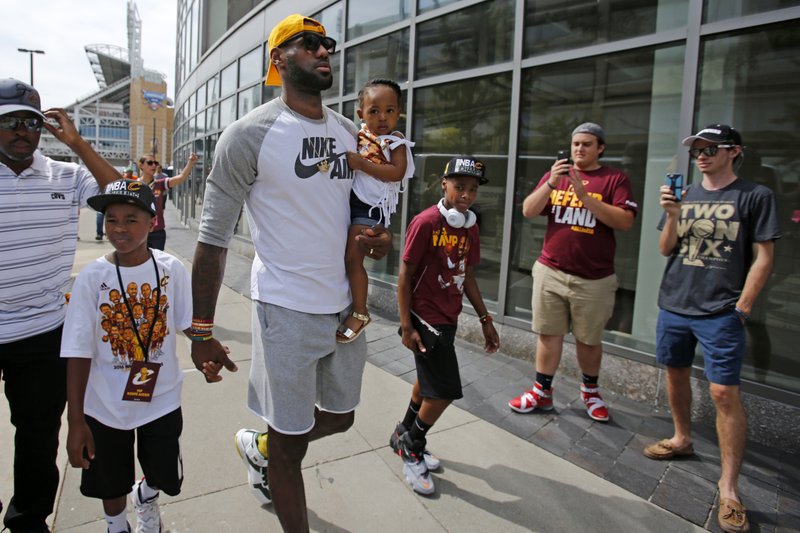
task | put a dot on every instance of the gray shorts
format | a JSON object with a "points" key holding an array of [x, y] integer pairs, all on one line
{"points": [[297, 365]]}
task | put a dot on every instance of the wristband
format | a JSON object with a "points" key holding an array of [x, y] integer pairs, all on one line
{"points": [[485, 319], [741, 313], [195, 337], [553, 187], [202, 324]]}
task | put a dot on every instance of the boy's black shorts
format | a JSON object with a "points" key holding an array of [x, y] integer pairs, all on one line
{"points": [[437, 370], [112, 474]]}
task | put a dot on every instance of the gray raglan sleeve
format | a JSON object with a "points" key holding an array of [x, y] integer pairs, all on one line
{"points": [[233, 172]]}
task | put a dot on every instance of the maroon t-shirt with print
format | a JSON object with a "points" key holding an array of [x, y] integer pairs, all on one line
{"points": [[441, 254], [160, 189], [575, 241]]}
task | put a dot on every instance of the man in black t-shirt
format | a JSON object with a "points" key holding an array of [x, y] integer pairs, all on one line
{"points": [[719, 239]]}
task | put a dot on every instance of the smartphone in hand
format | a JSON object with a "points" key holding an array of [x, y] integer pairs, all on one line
{"points": [[675, 182], [564, 154]]}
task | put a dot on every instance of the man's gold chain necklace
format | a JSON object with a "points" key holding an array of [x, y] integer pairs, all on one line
{"points": [[324, 165]]}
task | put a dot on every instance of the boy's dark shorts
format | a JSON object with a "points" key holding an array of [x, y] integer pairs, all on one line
{"points": [[721, 336], [360, 212], [437, 370], [111, 473]]}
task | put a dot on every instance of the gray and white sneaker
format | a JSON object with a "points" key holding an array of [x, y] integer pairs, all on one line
{"points": [[247, 447], [414, 468], [148, 516], [431, 461]]}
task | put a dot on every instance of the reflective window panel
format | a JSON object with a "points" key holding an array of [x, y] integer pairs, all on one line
{"points": [[228, 80], [473, 37], [427, 5], [212, 89], [333, 19], [553, 25], [384, 57], [714, 10], [365, 16], [227, 111], [249, 99], [250, 67]]}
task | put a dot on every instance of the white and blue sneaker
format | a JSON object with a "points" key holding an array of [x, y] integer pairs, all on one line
{"points": [[257, 477]]}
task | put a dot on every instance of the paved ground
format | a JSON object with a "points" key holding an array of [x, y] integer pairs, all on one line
{"points": [[501, 471]]}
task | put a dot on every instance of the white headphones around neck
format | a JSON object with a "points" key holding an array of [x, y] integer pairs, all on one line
{"points": [[456, 218]]}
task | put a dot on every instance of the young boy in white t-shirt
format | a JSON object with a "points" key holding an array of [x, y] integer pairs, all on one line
{"points": [[123, 376]]}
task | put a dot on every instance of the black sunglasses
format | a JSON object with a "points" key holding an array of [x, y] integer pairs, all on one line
{"points": [[12, 123], [709, 151], [313, 40], [150, 162]]}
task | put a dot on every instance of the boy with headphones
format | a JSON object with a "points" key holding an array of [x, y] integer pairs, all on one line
{"points": [[442, 247]]}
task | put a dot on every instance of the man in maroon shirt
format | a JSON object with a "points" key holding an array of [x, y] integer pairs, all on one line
{"points": [[573, 280]]}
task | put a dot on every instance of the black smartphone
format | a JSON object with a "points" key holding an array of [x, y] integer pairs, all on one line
{"points": [[564, 154], [675, 182]]}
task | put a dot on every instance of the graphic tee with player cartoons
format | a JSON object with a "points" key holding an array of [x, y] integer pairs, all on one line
{"points": [[100, 326]]}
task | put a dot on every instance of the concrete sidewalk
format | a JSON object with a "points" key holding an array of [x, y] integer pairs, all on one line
{"points": [[492, 479]]}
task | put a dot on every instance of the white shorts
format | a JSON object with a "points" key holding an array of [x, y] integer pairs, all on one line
{"points": [[298, 365]]}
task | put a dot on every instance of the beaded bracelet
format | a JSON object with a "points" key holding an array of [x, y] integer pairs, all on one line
{"points": [[199, 338], [201, 329]]}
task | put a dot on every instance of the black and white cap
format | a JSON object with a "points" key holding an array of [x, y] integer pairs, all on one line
{"points": [[715, 133], [465, 165], [125, 191]]}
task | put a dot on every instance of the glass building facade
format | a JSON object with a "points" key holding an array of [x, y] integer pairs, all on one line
{"points": [[507, 81]]}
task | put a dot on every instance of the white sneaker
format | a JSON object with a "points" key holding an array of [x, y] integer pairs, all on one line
{"points": [[431, 461], [247, 447], [418, 477], [148, 517], [414, 468]]}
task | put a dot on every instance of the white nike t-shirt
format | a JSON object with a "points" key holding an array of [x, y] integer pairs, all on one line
{"points": [[298, 212]]}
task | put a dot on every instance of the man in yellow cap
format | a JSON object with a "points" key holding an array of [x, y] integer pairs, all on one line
{"points": [[286, 162]]}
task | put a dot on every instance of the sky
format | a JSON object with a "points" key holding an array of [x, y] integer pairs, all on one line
{"points": [[62, 28]]}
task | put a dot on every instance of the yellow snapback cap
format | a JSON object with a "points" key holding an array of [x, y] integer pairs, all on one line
{"points": [[282, 32]]}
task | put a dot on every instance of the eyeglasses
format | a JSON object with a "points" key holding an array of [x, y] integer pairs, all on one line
{"points": [[313, 40], [151, 162], [12, 123], [709, 151]]}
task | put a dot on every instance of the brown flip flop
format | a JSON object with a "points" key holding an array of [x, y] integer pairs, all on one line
{"points": [[664, 449]]}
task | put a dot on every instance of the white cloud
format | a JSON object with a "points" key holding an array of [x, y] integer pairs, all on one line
{"points": [[62, 29]]}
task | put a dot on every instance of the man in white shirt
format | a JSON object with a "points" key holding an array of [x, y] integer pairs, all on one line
{"points": [[39, 202], [286, 162]]}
